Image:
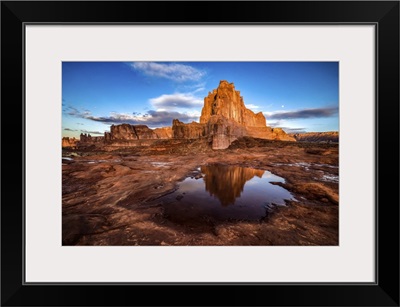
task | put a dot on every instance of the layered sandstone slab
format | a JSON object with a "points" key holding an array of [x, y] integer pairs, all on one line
{"points": [[317, 137], [131, 132], [137, 132], [125, 135], [269, 133]]}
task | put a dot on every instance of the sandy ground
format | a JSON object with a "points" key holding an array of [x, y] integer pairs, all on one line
{"points": [[115, 198]]}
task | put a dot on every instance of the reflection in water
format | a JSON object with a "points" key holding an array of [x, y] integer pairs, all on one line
{"points": [[227, 182], [224, 193]]}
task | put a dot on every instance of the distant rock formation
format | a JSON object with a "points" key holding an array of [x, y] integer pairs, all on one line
{"points": [[163, 133], [317, 137], [137, 132], [121, 134], [193, 130], [68, 142], [88, 139], [131, 132], [224, 118]]}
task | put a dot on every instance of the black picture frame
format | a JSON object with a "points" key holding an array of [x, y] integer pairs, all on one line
{"points": [[383, 14]]}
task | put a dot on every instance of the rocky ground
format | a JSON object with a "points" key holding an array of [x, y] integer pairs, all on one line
{"points": [[113, 197]]}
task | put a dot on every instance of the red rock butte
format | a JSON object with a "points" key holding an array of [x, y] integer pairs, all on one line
{"points": [[227, 102], [224, 118]]}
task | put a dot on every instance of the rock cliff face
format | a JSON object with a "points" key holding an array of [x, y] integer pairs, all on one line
{"points": [[88, 139], [163, 133], [227, 102], [224, 118], [188, 131], [137, 132], [131, 132], [69, 142], [124, 135], [223, 131]]}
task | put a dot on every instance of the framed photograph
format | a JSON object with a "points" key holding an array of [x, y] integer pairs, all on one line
{"points": [[240, 146]]}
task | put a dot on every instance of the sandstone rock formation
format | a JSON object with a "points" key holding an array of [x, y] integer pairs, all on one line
{"points": [[88, 139], [137, 132], [131, 132], [193, 130], [224, 118], [317, 137], [124, 135], [227, 102], [68, 142], [269, 133], [163, 133]]}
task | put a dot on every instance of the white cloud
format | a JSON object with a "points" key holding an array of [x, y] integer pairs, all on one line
{"points": [[152, 118], [178, 100], [200, 89], [252, 106], [175, 72]]}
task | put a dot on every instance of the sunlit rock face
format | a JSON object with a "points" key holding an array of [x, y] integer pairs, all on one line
{"points": [[68, 142], [227, 182], [137, 132], [193, 130], [131, 132], [227, 102], [163, 133], [224, 118]]}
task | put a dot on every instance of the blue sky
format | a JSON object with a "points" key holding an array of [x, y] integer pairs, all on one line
{"points": [[296, 96]]}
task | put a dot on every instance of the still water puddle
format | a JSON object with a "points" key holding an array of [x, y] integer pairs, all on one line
{"points": [[223, 192]]}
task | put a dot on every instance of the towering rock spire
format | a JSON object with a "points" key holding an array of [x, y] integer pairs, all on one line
{"points": [[226, 101], [224, 118]]}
